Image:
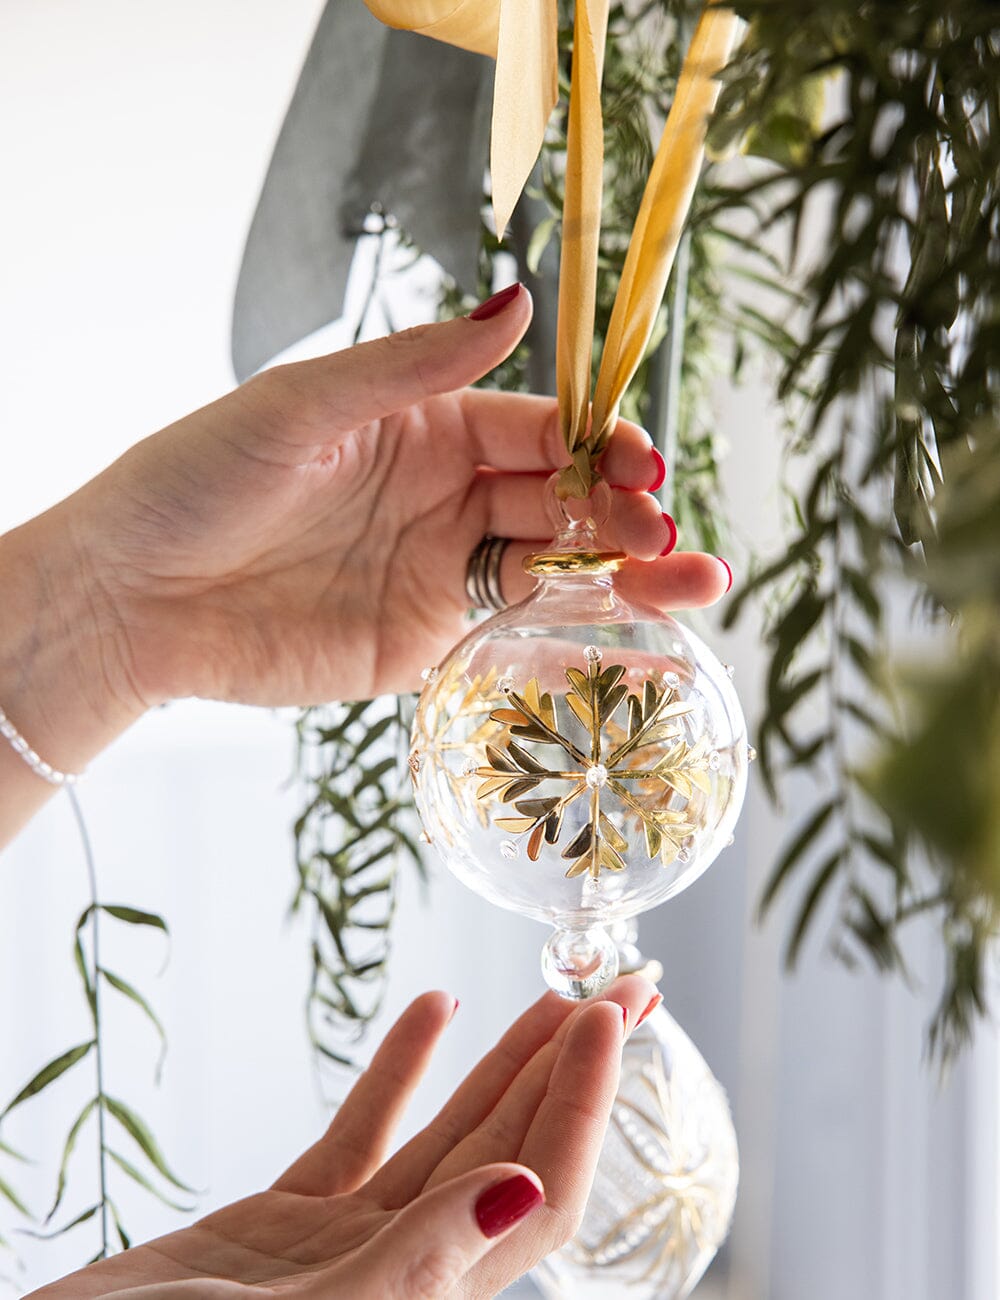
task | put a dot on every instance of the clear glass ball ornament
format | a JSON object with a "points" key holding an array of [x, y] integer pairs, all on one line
{"points": [[578, 757], [665, 1188]]}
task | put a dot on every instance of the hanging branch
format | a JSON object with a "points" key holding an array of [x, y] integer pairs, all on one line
{"points": [[108, 1113], [897, 327], [350, 837]]}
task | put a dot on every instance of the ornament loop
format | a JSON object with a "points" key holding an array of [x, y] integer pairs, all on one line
{"points": [[576, 547]]}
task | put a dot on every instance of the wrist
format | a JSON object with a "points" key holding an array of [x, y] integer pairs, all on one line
{"points": [[62, 678]]}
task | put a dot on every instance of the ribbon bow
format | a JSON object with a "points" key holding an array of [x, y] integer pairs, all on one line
{"points": [[522, 36]]}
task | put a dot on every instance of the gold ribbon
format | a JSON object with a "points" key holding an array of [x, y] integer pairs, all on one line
{"points": [[659, 225], [581, 232], [522, 36]]}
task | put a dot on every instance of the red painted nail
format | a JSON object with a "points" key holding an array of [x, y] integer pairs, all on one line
{"points": [[725, 565], [504, 1204], [672, 529], [453, 1010], [653, 1004], [661, 471], [625, 1020], [495, 305]]}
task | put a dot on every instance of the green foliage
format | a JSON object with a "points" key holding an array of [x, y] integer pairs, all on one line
{"points": [[889, 372], [356, 826], [102, 1114]]}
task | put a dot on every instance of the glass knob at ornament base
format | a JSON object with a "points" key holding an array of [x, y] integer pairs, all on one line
{"points": [[579, 757]]}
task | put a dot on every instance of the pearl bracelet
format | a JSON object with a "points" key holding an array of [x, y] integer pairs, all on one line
{"points": [[37, 765]]}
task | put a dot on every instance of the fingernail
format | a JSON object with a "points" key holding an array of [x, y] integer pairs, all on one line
{"points": [[504, 1204], [661, 471], [453, 1010], [725, 565], [495, 305], [672, 529], [624, 1020], [653, 1004]]}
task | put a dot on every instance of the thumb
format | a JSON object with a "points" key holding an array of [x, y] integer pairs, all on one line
{"points": [[431, 1244], [322, 400]]}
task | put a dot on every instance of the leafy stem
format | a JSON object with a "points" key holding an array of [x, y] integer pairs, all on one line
{"points": [[93, 985]]}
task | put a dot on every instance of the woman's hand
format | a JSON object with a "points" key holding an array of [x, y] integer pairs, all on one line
{"points": [[458, 1211], [303, 539], [306, 538]]}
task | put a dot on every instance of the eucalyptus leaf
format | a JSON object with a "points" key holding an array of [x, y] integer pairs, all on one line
{"points": [[83, 1217], [68, 1147], [138, 1177], [9, 1194], [49, 1073], [139, 1131], [127, 990]]}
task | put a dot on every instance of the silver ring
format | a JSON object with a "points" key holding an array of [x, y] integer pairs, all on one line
{"points": [[482, 576]]}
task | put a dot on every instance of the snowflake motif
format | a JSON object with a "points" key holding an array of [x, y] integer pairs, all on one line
{"points": [[643, 768]]}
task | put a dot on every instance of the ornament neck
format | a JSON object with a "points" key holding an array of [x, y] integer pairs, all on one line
{"points": [[576, 548]]}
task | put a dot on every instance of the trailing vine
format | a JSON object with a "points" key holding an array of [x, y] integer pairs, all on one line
{"points": [[357, 824], [112, 1125], [890, 374]]}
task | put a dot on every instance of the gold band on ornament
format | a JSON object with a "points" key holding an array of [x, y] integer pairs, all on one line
{"points": [[546, 563]]}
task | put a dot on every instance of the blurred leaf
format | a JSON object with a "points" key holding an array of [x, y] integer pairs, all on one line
{"points": [[8, 1194], [68, 1148], [49, 1073], [133, 916], [127, 990], [83, 1217], [138, 1130], [138, 1177]]}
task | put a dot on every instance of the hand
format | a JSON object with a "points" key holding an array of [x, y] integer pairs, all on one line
{"points": [[344, 1221], [306, 537]]}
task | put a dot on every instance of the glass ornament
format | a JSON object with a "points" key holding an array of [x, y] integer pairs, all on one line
{"points": [[578, 757], [665, 1187]]}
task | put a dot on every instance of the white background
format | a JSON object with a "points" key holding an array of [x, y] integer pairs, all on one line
{"points": [[133, 140]]}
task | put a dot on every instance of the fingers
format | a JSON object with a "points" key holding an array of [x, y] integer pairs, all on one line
{"points": [[564, 1141], [430, 1245], [685, 580], [501, 1093], [357, 1141], [402, 1177], [631, 460], [682, 580], [519, 433], [316, 403], [513, 505], [566, 1131], [502, 1134]]}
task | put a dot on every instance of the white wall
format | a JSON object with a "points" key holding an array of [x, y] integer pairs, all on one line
{"points": [[133, 139]]}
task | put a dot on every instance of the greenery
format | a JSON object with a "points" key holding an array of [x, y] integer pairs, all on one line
{"points": [[889, 371], [122, 1142], [357, 823]]}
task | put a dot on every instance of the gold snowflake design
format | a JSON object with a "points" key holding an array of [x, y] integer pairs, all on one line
{"points": [[646, 765]]}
